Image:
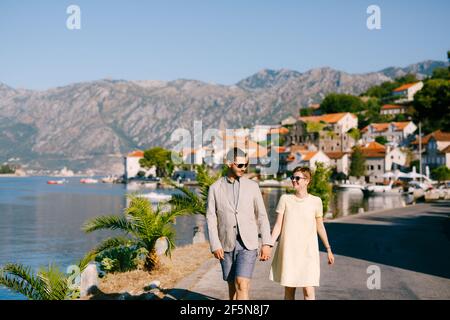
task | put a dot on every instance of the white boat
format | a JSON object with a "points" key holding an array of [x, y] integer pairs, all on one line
{"points": [[109, 179], [350, 186], [150, 185], [382, 190], [157, 197], [88, 181], [441, 193]]}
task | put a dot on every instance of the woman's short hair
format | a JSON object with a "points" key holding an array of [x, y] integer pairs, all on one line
{"points": [[305, 171]]}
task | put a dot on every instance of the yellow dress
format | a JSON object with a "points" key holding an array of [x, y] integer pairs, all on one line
{"points": [[296, 260]]}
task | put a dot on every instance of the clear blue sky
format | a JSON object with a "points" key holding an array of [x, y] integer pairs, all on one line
{"points": [[221, 41]]}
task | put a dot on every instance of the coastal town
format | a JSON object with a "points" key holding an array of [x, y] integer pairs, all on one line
{"points": [[381, 152], [216, 151]]}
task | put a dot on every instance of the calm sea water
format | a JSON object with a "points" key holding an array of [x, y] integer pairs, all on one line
{"points": [[41, 223]]}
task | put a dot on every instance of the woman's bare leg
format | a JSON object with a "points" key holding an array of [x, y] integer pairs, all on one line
{"points": [[309, 293]]}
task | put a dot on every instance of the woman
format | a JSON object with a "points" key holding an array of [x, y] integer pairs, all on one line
{"points": [[296, 261]]}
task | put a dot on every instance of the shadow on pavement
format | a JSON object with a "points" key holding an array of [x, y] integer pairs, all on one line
{"points": [[419, 243], [165, 294], [183, 294]]}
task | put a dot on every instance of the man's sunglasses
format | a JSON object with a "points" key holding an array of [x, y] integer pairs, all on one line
{"points": [[297, 178], [241, 165]]}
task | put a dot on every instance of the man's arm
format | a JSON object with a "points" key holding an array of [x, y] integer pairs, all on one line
{"points": [[263, 220], [211, 220]]}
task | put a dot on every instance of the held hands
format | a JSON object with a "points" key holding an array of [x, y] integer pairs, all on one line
{"points": [[218, 254], [265, 252]]}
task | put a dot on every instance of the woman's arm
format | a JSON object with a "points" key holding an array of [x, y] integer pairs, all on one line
{"points": [[277, 227], [323, 236]]}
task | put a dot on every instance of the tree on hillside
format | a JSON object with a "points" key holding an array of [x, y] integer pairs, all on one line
{"points": [[358, 163], [354, 133], [441, 73], [304, 112], [432, 105], [408, 78], [448, 58], [315, 126], [381, 140], [336, 102], [371, 113], [384, 90], [6, 169], [381, 91]]}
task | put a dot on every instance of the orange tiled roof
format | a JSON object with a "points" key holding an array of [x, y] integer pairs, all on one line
{"points": [[328, 118], [136, 153], [405, 87], [391, 106], [374, 146], [380, 127], [401, 125], [373, 154], [335, 155], [296, 148], [438, 135], [374, 150], [281, 130], [306, 156], [446, 150]]}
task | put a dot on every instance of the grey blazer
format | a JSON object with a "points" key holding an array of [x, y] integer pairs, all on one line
{"points": [[251, 215]]}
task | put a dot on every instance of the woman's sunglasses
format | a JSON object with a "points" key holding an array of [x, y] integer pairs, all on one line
{"points": [[297, 178], [241, 165]]}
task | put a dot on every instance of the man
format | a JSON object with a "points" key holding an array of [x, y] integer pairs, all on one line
{"points": [[235, 212]]}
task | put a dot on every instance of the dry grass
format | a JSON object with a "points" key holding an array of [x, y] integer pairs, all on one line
{"points": [[184, 261]]}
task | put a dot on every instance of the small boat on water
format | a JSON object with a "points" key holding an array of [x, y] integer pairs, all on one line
{"points": [[157, 197], [150, 185], [88, 181], [384, 190], [109, 179], [56, 181], [350, 186]]}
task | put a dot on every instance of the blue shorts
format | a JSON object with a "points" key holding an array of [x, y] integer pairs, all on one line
{"points": [[238, 263]]}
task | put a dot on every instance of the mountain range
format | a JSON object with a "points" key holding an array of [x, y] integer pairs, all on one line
{"points": [[91, 125]]}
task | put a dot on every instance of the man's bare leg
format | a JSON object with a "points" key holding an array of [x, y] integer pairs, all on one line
{"points": [[289, 293], [242, 288], [231, 290]]}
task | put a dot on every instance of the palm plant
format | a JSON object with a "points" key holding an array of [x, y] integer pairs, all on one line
{"points": [[142, 226], [191, 202], [48, 283]]}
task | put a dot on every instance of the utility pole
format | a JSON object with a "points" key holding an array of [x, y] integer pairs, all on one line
{"points": [[420, 150]]}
